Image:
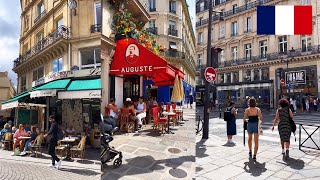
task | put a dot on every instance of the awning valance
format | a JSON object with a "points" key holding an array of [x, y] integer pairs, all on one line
{"points": [[79, 89], [131, 58], [79, 94]]}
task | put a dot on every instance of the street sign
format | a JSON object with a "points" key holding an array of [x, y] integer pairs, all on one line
{"points": [[282, 82], [210, 74]]}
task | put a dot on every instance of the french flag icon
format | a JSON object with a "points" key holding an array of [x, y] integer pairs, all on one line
{"points": [[284, 20]]}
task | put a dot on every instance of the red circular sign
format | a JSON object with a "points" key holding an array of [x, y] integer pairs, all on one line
{"points": [[210, 74], [282, 82]]}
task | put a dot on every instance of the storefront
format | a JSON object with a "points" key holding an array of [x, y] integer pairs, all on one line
{"points": [[136, 71]]}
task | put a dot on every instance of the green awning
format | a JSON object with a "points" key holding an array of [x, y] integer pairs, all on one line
{"points": [[58, 84], [78, 85], [17, 97]]}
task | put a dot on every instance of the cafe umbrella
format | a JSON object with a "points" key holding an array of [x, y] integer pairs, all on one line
{"points": [[176, 92], [181, 91]]}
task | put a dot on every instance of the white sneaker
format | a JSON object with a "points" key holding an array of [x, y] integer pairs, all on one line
{"points": [[12, 154], [23, 153], [58, 164]]}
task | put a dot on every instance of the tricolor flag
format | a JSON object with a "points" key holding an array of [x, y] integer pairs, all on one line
{"points": [[284, 20]]}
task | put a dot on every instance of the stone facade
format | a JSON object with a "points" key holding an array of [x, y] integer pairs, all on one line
{"points": [[7, 91]]}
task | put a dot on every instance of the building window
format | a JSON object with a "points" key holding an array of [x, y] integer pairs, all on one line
{"points": [[247, 48], [263, 48], [199, 59], [235, 77], [200, 38], [172, 25], [38, 73], [234, 8], [306, 43], [172, 7], [25, 48], [221, 34], [39, 40], [152, 23], [40, 8], [256, 75], [98, 15], [152, 5], [248, 24], [90, 58], [222, 1], [57, 65], [26, 22], [234, 28], [201, 6], [283, 44], [59, 22], [228, 78], [23, 83], [234, 53], [221, 78], [265, 74], [246, 75], [305, 2], [221, 56]]}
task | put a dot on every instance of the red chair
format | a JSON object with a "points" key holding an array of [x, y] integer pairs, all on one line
{"points": [[124, 119], [107, 111], [168, 107], [174, 106], [158, 121]]}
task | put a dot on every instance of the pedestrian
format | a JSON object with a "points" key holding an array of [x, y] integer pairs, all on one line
{"points": [[190, 100], [254, 115], [284, 126], [53, 141], [291, 105], [315, 104], [304, 104], [307, 105], [230, 118]]}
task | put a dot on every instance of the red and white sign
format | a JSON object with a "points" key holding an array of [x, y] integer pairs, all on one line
{"points": [[132, 54], [210, 74], [282, 82]]}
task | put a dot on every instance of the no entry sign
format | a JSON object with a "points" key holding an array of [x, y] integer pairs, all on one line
{"points": [[210, 74]]}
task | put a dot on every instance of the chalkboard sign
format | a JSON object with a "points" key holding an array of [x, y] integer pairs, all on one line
{"points": [[23, 116]]}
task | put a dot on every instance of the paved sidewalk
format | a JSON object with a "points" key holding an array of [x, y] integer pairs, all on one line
{"points": [[149, 155], [217, 160], [25, 168]]}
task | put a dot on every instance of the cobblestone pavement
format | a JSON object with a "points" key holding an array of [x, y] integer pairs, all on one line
{"points": [[28, 168], [150, 155]]}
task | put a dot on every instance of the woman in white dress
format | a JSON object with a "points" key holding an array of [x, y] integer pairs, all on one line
{"points": [[141, 110]]}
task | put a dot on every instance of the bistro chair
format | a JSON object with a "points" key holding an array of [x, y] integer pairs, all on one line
{"points": [[61, 148], [157, 121], [37, 144], [124, 119], [8, 141], [168, 107], [107, 111], [80, 148], [174, 106]]}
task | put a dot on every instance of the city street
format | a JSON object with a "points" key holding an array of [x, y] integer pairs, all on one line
{"points": [[217, 160]]}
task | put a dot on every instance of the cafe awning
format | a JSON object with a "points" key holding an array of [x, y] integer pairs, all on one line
{"points": [[131, 58], [49, 89], [14, 102], [79, 89]]}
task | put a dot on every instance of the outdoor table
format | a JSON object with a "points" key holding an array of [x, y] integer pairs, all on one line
{"points": [[69, 141], [169, 114]]}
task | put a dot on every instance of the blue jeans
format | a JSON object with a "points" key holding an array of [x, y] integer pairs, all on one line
{"points": [[28, 146]]}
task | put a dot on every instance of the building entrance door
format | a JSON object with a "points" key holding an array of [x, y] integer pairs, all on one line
{"points": [[131, 87]]}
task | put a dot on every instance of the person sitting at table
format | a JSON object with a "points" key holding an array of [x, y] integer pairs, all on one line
{"points": [[26, 128], [141, 110], [129, 105], [70, 131], [33, 135], [14, 129], [155, 103], [5, 129], [19, 133]]}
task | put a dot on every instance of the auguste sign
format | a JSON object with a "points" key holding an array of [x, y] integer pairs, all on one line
{"points": [[296, 77], [138, 69]]}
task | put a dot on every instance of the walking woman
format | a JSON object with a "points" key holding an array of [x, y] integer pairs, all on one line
{"points": [[284, 127], [231, 122], [253, 114]]}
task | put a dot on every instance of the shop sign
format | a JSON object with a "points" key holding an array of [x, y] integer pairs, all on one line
{"points": [[59, 75], [79, 94], [39, 81], [43, 93], [296, 77], [138, 69]]}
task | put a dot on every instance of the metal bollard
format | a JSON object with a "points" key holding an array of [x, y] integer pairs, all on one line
{"points": [[220, 114]]}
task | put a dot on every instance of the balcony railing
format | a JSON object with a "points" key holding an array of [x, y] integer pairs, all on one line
{"points": [[153, 30], [235, 11], [61, 32], [152, 9], [40, 16], [145, 4], [95, 28], [172, 32], [174, 54], [272, 56]]}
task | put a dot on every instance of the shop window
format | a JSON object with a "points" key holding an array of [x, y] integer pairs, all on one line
{"points": [[306, 43], [98, 15], [283, 44], [90, 58], [247, 51], [234, 53], [57, 65], [23, 83], [38, 73], [263, 48], [246, 75], [234, 28]]}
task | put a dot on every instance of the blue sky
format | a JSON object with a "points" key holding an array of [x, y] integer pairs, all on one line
{"points": [[10, 30]]}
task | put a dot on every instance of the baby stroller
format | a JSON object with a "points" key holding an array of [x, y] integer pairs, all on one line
{"points": [[108, 153]]}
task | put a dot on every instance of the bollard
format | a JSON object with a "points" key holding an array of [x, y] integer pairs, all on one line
{"points": [[219, 113]]}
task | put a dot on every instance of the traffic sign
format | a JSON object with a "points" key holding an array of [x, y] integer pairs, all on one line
{"points": [[282, 82], [210, 74]]}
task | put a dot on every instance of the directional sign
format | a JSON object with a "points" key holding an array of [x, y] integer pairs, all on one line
{"points": [[210, 74], [282, 82]]}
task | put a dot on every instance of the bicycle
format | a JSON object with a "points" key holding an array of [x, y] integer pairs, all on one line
{"points": [[199, 123]]}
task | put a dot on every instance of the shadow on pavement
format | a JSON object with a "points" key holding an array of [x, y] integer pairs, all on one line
{"points": [[229, 145], [296, 164], [201, 149], [83, 172], [254, 167]]}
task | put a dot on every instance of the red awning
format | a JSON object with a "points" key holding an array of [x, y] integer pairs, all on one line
{"points": [[131, 58]]}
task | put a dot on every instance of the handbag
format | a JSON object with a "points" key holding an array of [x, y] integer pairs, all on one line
{"points": [[292, 124], [260, 127]]}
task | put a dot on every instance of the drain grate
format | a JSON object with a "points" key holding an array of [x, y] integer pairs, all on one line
{"points": [[178, 173], [174, 150]]}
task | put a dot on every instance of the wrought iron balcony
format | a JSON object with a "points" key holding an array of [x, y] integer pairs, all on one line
{"points": [[235, 11], [62, 32], [95, 28], [272, 56], [173, 32], [153, 30], [174, 54], [40, 16], [145, 4]]}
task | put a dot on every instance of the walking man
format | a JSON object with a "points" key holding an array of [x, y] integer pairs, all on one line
{"points": [[53, 141]]}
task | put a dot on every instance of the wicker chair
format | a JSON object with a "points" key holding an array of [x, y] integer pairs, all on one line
{"points": [[8, 141], [37, 144], [61, 148], [80, 148]]}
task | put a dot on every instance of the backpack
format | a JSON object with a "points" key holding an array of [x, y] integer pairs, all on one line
{"points": [[227, 116], [60, 134]]}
